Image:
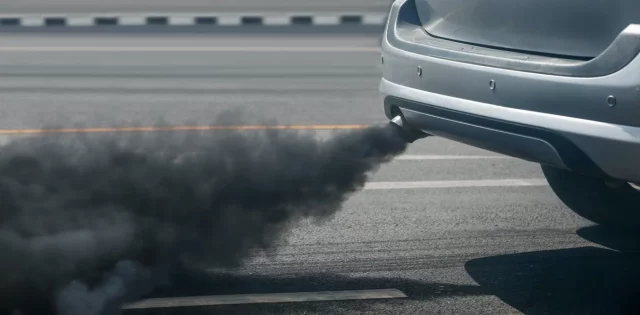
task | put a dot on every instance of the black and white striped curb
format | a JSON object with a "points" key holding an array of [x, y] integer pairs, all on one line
{"points": [[189, 19]]}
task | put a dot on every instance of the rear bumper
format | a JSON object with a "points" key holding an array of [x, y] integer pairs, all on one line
{"points": [[588, 147], [560, 119]]}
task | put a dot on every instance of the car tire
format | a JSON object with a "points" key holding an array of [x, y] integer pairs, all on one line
{"points": [[612, 204]]}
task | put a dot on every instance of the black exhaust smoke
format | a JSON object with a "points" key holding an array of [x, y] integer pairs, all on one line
{"points": [[89, 222]]}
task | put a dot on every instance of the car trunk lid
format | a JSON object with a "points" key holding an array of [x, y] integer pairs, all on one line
{"points": [[571, 28]]}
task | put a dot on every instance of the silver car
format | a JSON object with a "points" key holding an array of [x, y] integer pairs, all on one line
{"points": [[556, 82]]}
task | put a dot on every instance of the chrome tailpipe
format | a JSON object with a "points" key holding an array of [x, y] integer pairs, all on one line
{"points": [[407, 132]]}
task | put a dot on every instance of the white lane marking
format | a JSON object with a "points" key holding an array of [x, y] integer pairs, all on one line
{"points": [[277, 20], [266, 298], [33, 21], [226, 20], [456, 184], [413, 157], [80, 21], [374, 19], [419, 157], [132, 21], [326, 20], [181, 20], [183, 49]]}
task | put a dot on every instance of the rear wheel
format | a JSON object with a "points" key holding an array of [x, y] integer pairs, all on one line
{"points": [[614, 204]]}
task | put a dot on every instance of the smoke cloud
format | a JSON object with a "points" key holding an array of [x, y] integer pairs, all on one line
{"points": [[89, 222]]}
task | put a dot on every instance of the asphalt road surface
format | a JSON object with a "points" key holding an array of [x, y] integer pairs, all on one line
{"points": [[127, 6], [482, 244]]}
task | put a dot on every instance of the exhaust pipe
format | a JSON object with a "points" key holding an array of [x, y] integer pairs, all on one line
{"points": [[407, 132]]}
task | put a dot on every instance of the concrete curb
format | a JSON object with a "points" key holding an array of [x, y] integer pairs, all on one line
{"points": [[189, 19]]}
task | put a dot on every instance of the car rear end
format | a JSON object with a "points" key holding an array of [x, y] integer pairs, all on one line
{"points": [[555, 82]]}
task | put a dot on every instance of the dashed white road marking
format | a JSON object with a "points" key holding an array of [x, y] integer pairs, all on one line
{"points": [[414, 157], [456, 184], [214, 300]]}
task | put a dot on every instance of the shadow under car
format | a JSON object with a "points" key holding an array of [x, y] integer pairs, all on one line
{"points": [[584, 280]]}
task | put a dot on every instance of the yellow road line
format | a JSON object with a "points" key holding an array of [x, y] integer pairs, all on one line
{"points": [[178, 128]]}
